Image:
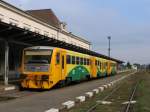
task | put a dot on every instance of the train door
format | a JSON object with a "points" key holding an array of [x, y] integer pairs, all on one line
{"points": [[63, 65], [93, 67], [108, 67], [57, 70]]}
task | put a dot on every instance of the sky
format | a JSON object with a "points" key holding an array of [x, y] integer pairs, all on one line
{"points": [[126, 21]]}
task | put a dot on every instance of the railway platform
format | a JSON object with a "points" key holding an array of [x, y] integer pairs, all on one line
{"points": [[9, 87], [32, 101]]}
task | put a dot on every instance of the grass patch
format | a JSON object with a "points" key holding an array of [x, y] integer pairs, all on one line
{"points": [[143, 94], [120, 96]]}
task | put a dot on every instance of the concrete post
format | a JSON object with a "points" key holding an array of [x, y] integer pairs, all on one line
{"points": [[6, 63]]}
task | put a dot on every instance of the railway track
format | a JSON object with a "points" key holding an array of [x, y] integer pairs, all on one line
{"points": [[124, 107], [131, 98], [93, 108]]}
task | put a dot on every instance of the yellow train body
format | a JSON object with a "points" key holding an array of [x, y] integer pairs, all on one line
{"points": [[45, 67]]}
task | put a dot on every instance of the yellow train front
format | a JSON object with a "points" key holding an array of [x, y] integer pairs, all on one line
{"points": [[44, 67]]}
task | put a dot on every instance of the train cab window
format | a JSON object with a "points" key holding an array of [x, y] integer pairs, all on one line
{"points": [[88, 62], [73, 59], [57, 58], [68, 59], [77, 60], [81, 61], [84, 61]]}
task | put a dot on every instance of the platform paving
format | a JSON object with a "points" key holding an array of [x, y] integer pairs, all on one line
{"points": [[53, 98]]}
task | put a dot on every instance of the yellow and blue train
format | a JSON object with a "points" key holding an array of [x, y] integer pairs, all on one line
{"points": [[44, 67]]}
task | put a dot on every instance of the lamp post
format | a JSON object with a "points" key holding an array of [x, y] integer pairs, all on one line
{"points": [[109, 38]]}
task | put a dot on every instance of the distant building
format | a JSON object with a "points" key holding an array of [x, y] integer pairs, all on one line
{"points": [[134, 67]]}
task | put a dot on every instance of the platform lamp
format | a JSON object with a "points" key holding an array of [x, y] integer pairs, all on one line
{"points": [[109, 38]]}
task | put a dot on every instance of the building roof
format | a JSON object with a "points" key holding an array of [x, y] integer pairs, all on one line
{"points": [[17, 35], [45, 15]]}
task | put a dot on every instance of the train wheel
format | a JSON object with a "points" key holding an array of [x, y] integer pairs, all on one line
{"points": [[61, 84], [21, 88], [68, 80]]}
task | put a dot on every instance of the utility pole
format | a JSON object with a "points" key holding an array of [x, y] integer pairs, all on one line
{"points": [[109, 38]]}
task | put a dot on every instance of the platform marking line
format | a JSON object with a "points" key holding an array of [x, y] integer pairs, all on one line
{"points": [[127, 102], [69, 104], [89, 94], [52, 110], [104, 102], [101, 88], [96, 91], [109, 85], [80, 98], [9, 88], [105, 86]]}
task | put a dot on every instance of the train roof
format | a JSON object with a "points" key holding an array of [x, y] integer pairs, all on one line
{"points": [[39, 47], [92, 53]]}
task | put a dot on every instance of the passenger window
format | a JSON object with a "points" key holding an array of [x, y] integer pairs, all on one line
{"points": [[63, 64], [73, 59], [77, 61], [88, 62], [96, 62], [84, 61], [81, 61], [57, 58], [100, 65], [68, 59]]}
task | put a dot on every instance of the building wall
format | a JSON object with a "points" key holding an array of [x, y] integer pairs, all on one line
{"points": [[11, 15]]}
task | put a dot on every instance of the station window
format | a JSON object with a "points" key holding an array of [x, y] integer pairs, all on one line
{"points": [[73, 59], [37, 30], [57, 58], [54, 36], [1, 17], [13, 22], [81, 61], [68, 59], [46, 33], [27, 26], [77, 60]]}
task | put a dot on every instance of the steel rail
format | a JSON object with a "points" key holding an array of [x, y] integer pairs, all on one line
{"points": [[106, 97], [112, 92], [131, 97]]}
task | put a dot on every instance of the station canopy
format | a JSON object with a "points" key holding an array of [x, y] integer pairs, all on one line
{"points": [[14, 34]]}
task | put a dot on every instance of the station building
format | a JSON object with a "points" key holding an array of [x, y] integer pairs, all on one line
{"points": [[20, 29]]}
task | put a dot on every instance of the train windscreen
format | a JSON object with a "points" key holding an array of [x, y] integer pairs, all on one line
{"points": [[37, 60]]}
